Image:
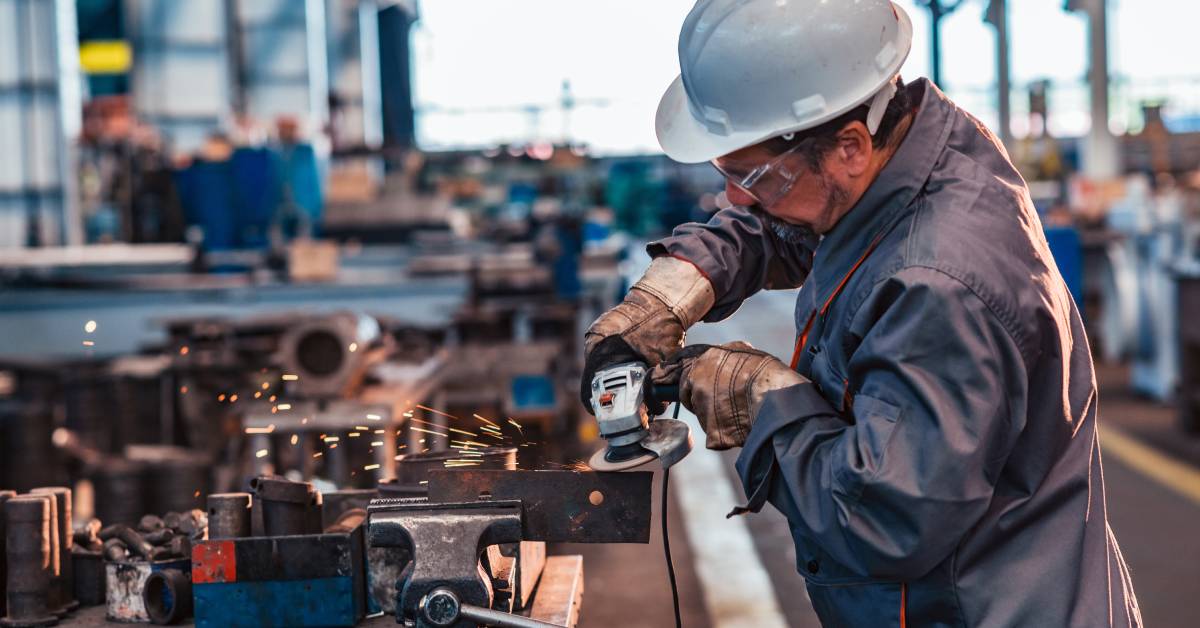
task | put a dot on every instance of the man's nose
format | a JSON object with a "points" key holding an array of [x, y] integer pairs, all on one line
{"points": [[737, 195]]}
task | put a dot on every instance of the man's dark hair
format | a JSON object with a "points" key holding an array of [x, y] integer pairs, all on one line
{"points": [[822, 138]]}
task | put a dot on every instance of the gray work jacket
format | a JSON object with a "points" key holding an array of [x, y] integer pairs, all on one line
{"points": [[943, 468]]}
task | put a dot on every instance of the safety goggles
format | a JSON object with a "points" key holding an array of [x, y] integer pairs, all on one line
{"points": [[766, 182]]}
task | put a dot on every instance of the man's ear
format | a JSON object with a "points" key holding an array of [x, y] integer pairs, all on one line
{"points": [[854, 148]]}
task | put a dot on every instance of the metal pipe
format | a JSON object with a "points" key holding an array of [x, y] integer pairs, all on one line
{"points": [[229, 515], [66, 540], [27, 549]]}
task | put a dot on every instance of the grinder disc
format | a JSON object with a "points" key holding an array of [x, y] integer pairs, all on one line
{"points": [[667, 441]]}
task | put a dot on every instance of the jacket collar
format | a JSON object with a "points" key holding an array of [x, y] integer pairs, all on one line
{"points": [[890, 197]]}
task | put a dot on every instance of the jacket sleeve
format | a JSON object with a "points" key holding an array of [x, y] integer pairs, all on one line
{"points": [[739, 254], [889, 488]]}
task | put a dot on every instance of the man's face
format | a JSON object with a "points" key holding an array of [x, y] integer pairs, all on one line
{"points": [[813, 204]]}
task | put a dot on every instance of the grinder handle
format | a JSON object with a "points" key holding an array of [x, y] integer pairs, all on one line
{"points": [[657, 396]]}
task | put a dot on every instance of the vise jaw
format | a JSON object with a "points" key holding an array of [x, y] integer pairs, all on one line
{"points": [[447, 540]]}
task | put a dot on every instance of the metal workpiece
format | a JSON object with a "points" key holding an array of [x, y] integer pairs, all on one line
{"points": [[442, 608], [446, 540], [54, 595], [167, 596], [287, 507], [66, 540], [229, 515], [28, 535], [560, 506]]}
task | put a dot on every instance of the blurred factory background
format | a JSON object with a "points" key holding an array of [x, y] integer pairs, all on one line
{"points": [[342, 241]]}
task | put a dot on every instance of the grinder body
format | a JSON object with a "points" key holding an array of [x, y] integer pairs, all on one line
{"points": [[619, 401]]}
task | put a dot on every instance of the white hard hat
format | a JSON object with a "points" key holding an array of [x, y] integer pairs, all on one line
{"points": [[755, 69]]}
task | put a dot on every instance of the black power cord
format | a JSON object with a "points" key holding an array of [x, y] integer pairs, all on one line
{"points": [[667, 541]]}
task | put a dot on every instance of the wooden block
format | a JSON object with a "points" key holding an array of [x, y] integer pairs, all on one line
{"points": [[560, 592]]}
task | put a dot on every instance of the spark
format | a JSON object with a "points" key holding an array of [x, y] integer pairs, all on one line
{"points": [[261, 430], [258, 395], [271, 398], [183, 390], [470, 443], [362, 427], [463, 432], [428, 409], [353, 347], [89, 343], [399, 457], [489, 429], [401, 447], [262, 453], [221, 397], [407, 414], [295, 438], [377, 443], [331, 439], [370, 467], [318, 454], [513, 423], [89, 326], [285, 406], [422, 442], [495, 436], [485, 420], [274, 410], [333, 446], [304, 421], [373, 417], [288, 377], [183, 350], [232, 398], [423, 482], [196, 494], [379, 431], [427, 431], [353, 434], [266, 385]]}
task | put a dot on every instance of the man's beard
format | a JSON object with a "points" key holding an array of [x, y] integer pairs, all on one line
{"points": [[792, 233]]}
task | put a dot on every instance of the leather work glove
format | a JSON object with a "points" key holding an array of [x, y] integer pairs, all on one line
{"points": [[649, 325], [724, 386]]}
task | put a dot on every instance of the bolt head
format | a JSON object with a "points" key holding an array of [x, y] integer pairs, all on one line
{"points": [[441, 607]]}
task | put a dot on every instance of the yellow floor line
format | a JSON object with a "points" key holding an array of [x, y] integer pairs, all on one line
{"points": [[1179, 477]]}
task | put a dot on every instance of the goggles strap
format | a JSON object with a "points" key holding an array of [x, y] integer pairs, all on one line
{"points": [[879, 106]]}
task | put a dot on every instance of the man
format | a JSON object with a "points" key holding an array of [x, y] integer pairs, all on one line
{"points": [[933, 442]]}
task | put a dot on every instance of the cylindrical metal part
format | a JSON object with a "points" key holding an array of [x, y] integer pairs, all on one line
{"points": [[4, 496], [167, 596], [88, 571], [229, 515], [63, 501], [135, 542], [286, 505], [28, 553], [54, 599], [120, 497]]}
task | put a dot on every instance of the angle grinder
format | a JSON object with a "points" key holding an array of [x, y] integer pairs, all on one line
{"points": [[620, 403]]}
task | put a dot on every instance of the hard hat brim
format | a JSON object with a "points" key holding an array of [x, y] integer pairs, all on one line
{"points": [[687, 140], [684, 138]]}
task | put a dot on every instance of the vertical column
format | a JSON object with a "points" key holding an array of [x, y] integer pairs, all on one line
{"points": [[283, 62], [180, 77], [40, 114], [357, 120], [1101, 157]]}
